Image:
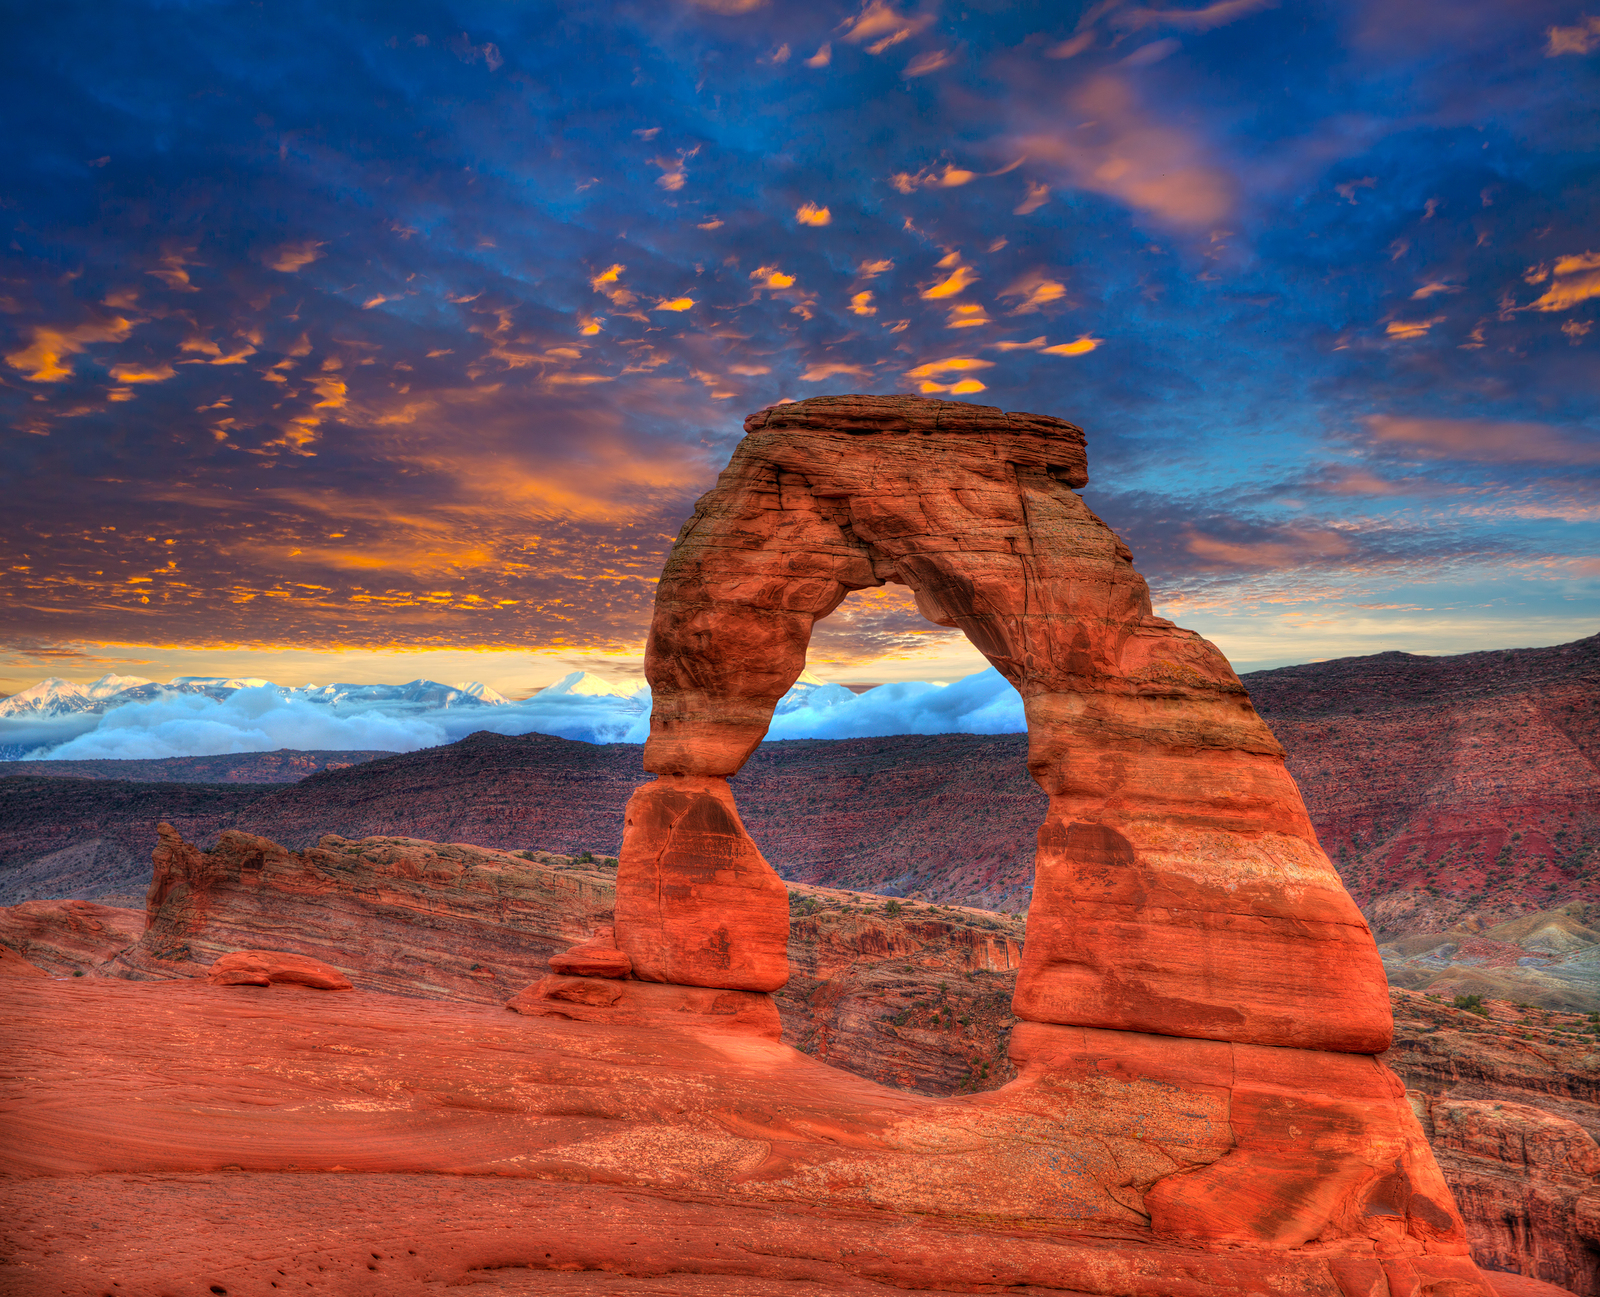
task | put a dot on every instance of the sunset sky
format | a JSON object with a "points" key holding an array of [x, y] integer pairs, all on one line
{"points": [[373, 341]]}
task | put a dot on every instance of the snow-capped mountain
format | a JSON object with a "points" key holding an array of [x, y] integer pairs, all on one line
{"points": [[811, 692], [55, 697], [426, 693], [581, 684]]}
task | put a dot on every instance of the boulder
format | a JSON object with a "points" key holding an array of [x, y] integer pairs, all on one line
{"points": [[265, 967], [651, 1004], [596, 957]]}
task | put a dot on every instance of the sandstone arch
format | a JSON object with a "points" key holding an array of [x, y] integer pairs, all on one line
{"points": [[1179, 887]]}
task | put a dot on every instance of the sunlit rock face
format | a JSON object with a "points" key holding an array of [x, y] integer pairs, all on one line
{"points": [[1179, 886]]}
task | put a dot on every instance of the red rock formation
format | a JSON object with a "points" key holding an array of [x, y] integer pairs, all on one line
{"points": [[1453, 790], [1192, 1111], [1076, 1177], [1510, 1100], [596, 957], [651, 1004], [1179, 886], [417, 918], [14, 965], [907, 994], [696, 903], [1450, 788], [67, 937], [1528, 1179], [266, 967]]}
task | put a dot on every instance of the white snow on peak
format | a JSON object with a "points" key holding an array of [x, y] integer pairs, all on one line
{"points": [[583, 684], [808, 678], [51, 697], [482, 692], [110, 684], [221, 682]]}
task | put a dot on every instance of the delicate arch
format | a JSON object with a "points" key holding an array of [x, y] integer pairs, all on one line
{"points": [[1179, 887]]}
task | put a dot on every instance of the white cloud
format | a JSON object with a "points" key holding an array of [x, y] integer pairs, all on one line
{"points": [[263, 718]]}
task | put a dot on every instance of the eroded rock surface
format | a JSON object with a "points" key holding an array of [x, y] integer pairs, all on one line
{"points": [[904, 993], [697, 904], [1070, 1178]]}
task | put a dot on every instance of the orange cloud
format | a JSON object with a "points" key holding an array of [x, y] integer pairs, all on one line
{"points": [[1411, 328], [1080, 347], [1577, 279], [958, 280], [1292, 547], [1482, 440], [1581, 39], [293, 256], [171, 272], [141, 373], [675, 304], [41, 360], [872, 269], [932, 61], [811, 214], [950, 178], [1033, 344], [1036, 290], [861, 304], [966, 317], [1037, 196], [954, 365], [1217, 14], [1113, 147], [816, 373], [961, 388], [879, 23], [674, 173], [609, 284]]}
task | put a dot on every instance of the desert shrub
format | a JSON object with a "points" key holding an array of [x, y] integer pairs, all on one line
{"points": [[892, 907], [1472, 1004]]}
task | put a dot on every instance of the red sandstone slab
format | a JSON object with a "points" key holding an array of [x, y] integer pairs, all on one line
{"points": [[186, 1078]]}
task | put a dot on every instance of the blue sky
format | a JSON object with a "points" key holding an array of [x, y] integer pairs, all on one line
{"points": [[382, 339]]}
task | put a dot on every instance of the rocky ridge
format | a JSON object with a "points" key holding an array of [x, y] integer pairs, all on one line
{"points": [[1357, 732]]}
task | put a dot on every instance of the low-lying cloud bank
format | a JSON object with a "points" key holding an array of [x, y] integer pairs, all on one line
{"points": [[265, 717]]}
